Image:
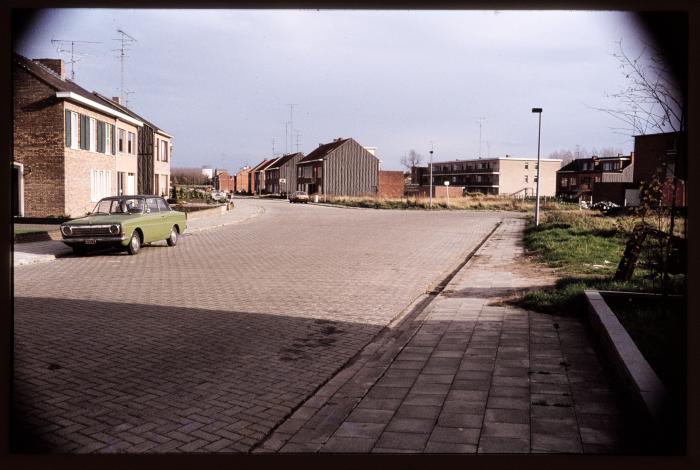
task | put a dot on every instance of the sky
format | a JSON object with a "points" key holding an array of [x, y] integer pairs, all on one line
{"points": [[460, 82]]}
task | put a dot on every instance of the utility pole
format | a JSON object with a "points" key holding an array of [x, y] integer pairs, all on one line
{"points": [[537, 187], [431, 174], [61, 46], [126, 41], [481, 120], [291, 124]]}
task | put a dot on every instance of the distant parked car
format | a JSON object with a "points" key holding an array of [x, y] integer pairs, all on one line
{"points": [[218, 195], [299, 196], [604, 206], [125, 222]]}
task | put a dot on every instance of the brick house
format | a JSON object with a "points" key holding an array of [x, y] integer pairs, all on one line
{"points": [[223, 181], [339, 168], [72, 147], [254, 178], [578, 178], [507, 176], [242, 180], [652, 153], [281, 175]]}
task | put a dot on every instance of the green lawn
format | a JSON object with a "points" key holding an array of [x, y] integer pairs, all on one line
{"points": [[22, 230]]}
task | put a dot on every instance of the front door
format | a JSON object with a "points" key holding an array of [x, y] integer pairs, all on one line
{"points": [[17, 191], [131, 184]]}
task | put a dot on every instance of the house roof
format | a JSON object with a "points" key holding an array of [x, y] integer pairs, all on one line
{"points": [[126, 110], [575, 165], [67, 89], [282, 160], [260, 165], [323, 151]]}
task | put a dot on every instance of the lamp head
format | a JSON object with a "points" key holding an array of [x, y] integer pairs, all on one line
{"points": [[536, 110]]}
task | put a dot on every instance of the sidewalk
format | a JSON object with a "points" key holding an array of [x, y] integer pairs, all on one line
{"points": [[43, 251], [467, 375]]}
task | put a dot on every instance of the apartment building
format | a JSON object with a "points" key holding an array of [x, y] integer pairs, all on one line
{"points": [[281, 174], [511, 176]]}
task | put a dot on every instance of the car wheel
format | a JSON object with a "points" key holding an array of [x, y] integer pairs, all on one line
{"points": [[172, 241], [135, 243]]}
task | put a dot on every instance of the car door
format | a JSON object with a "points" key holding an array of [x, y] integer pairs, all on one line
{"points": [[168, 217], [153, 229]]}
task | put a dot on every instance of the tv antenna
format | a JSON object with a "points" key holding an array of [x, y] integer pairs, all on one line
{"points": [[291, 124], [126, 40], [62, 46], [298, 144]]}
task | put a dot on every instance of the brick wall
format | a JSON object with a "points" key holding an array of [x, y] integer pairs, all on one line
{"points": [[391, 184], [38, 138], [442, 191]]}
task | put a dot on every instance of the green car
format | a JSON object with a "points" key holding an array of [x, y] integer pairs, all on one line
{"points": [[126, 222]]}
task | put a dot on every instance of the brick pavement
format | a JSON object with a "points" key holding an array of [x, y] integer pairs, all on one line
{"points": [[469, 375], [208, 346]]}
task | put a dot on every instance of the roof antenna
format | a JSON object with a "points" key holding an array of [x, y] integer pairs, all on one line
{"points": [[126, 41], [62, 46]]}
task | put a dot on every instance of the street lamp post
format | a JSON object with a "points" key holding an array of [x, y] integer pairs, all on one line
{"points": [[537, 188], [431, 179]]}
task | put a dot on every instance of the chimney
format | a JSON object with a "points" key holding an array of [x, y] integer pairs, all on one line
{"points": [[116, 99], [56, 65]]}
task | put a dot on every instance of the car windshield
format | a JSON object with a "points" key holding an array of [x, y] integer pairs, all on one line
{"points": [[118, 206]]}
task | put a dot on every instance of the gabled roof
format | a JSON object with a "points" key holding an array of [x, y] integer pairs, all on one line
{"points": [[269, 164], [322, 151], [282, 160], [124, 109], [67, 89], [260, 165]]}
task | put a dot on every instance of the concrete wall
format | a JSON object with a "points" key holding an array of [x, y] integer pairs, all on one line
{"points": [[513, 172]]}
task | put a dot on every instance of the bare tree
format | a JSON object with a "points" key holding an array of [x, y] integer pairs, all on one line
{"points": [[652, 101], [411, 160], [187, 176]]}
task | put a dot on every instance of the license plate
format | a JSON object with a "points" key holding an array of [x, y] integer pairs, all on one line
{"points": [[90, 242]]}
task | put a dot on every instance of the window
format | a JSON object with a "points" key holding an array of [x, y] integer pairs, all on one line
{"points": [[597, 179], [573, 181], [163, 151], [526, 178], [306, 172], [299, 172], [162, 205], [84, 132], [100, 184], [534, 180], [67, 128], [564, 182], [122, 135], [527, 165], [152, 204], [132, 144], [93, 135], [75, 131], [121, 183], [108, 139], [101, 137], [157, 150]]}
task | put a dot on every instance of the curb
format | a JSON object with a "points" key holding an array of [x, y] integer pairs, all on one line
{"points": [[259, 211], [635, 376]]}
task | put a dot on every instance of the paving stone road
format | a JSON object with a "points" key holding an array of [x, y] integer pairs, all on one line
{"points": [[469, 374], [210, 345]]}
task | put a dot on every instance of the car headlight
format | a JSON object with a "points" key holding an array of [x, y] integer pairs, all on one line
{"points": [[66, 230], [114, 229]]}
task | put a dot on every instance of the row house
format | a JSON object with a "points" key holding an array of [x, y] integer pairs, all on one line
{"points": [[497, 176], [72, 147], [281, 174], [578, 178], [255, 179], [241, 180], [222, 181], [339, 168]]}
